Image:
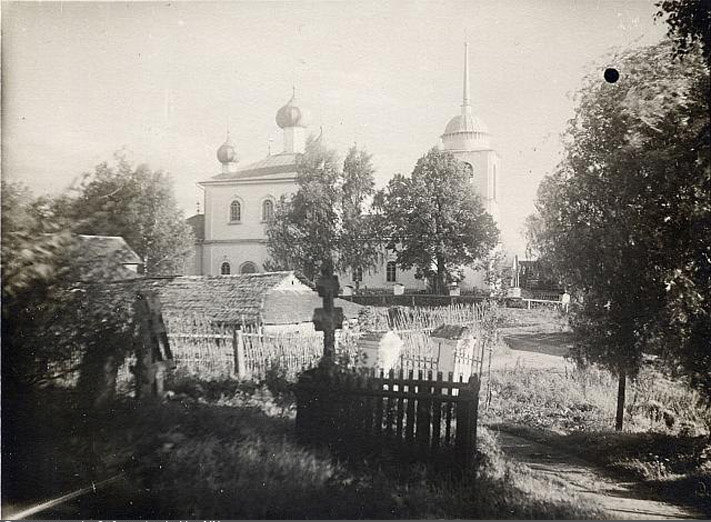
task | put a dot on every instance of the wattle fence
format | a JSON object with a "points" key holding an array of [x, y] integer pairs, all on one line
{"points": [[423, 418], [212, 351]]}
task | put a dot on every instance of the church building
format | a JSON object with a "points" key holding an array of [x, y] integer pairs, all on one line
{"points": [[238, 202]]}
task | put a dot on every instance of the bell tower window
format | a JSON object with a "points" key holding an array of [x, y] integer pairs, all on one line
{"points": [[469, 169]]}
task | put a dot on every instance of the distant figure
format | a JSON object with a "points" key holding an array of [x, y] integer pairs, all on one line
{"points": [[565, 301]]}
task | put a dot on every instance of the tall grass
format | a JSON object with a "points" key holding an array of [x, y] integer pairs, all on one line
{"points": [[586, 399]]}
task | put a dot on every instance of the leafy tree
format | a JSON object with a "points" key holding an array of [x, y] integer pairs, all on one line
{"points": [[434, 220], [689, 24], [137, 204], [626, 218], [324, 221], [51, 325]]}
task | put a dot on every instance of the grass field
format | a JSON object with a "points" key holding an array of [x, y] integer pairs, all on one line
{"points": [[221, 451], [532, 393]]}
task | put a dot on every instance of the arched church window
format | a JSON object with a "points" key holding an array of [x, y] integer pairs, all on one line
{"points": [[235, 211], [248, 268], [267, 210], [225, 268], [391, 272], [469, 168]]}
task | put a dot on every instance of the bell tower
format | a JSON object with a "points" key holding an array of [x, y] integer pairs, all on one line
{"points": [[468, 139]]}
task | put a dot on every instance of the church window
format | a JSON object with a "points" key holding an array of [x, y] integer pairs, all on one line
{"points": [[267, 210], [248, 268], [225, 268], [470, 170], [391, 272], [235, 211], [357, 275]]}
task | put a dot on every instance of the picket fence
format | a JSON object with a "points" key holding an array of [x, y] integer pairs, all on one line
{"points": [[424, 418]]}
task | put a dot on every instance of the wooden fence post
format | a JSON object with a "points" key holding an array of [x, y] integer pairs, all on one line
{"points": [[240, 368], [467, 410]]}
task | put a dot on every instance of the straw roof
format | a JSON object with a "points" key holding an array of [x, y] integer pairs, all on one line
{"points": [[270, 298]]}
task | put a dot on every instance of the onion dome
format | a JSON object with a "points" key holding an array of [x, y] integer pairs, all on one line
{"points": [[227, 153], [290, 115]]}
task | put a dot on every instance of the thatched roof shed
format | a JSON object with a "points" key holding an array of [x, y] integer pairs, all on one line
{"points": [[269, 298]]}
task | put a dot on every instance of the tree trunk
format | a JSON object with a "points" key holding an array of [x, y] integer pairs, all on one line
{"points": [[621, 400], [440, 275]]}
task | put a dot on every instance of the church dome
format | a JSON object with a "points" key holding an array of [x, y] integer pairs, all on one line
{"points": [[227, 153], [290, 115], [465, 123]]}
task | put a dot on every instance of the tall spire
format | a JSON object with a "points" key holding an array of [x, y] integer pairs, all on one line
{"points": [[466, 107]]}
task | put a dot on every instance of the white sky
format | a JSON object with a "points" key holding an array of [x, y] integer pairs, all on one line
{"points": [[82, 80]]}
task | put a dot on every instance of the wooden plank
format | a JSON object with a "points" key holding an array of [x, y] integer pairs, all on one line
{"points": [[240, 368], [391, 405], [473, 415], [423, 419], [410, 420], [379, 405], [400, 407], [436, 416], [461, 443], [372, 396], [448, 414]]}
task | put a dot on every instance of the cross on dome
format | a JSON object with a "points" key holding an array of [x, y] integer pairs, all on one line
{"points": [[291, 115]]}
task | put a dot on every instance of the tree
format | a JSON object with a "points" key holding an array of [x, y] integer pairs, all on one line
{"points": [[434, 220], [626, 218], [324, 221], [51, 325], [689, 24], [137, 204]]}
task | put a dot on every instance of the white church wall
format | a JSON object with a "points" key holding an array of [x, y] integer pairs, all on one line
{"points": [[235, 253], [376, 278], [250, 196]]}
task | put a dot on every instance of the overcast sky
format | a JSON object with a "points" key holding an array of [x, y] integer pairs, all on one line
{"points": [[82, 80]]}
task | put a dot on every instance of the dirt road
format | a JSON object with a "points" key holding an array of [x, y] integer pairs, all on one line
{"points": [[534, 347], [617, 498]]}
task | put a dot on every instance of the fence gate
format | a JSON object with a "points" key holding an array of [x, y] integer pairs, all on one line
{"points": [[423, 418]]}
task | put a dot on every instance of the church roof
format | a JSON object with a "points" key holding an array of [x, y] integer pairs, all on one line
{"points": [[197, 223], [465, 123], [284, 163]]}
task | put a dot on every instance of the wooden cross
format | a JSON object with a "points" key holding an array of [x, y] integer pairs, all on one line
{"points": [[328, 319], [154, 357]]}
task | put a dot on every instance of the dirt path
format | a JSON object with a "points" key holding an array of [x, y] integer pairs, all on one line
{"points": [[616, 497], [532, 348]]}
